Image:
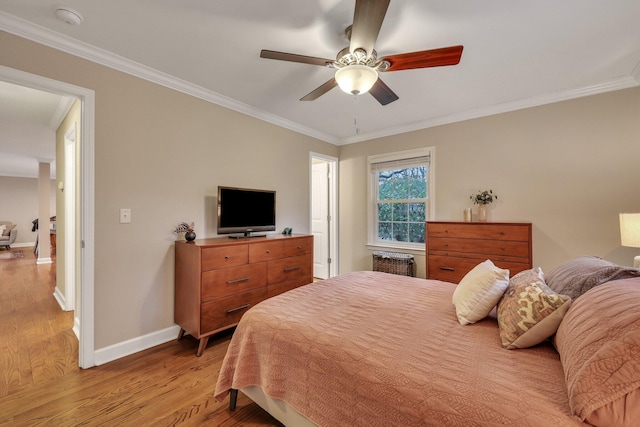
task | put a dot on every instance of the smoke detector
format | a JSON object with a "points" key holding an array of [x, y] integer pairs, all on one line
{"points": [[68, 15]]}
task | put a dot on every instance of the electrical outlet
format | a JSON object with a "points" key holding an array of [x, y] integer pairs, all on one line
{"points": [[125, 216]]}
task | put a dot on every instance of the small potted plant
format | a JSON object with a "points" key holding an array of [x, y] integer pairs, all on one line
{"points": [[187, 229], [482, 199]]}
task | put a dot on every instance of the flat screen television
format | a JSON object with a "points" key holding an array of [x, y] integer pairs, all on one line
{"points": [[244, 210]]}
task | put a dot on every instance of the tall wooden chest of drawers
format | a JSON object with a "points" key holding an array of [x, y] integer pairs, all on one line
{"points": [[454, 248], [218, 279]]}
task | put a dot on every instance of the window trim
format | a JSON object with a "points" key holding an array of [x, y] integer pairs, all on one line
{"points": [[372, 243]]}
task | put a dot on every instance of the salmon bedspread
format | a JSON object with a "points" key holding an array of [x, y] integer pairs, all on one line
{"points": [[376, 349]]}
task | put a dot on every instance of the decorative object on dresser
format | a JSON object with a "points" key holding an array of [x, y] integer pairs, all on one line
{"points": [[630, 233], [482, 199], [218, 279], [467, 215], [454, 248], [394, 263], [188, 230]]}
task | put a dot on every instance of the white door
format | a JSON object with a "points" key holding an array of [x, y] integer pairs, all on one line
{"points": [[320, 218]]}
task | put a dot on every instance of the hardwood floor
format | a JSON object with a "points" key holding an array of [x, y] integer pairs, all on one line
{"points": [[41, 384]]}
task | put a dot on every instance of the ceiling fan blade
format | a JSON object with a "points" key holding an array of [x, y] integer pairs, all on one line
{"points": [[425, 58], [318, 92], [292, 57], [383, 93], [367, 20]]}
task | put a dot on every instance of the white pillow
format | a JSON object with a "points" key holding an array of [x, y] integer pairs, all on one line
{"points": [[479, 291]]}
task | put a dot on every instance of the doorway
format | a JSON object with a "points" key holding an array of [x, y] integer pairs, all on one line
{"points": [[83, 252], [324, 215]]}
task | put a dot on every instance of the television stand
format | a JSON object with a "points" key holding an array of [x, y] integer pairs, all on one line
{"points": [[218, 279]]}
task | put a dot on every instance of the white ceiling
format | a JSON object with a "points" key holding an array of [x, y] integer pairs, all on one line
{"points": [[516, 54], [28, 121]]}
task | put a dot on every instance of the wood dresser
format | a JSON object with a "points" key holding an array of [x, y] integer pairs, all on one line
{"points": [[454, 248], [218, 279]]}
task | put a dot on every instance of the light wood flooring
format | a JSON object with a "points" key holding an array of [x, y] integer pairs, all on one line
{"points": [[41, 384]]}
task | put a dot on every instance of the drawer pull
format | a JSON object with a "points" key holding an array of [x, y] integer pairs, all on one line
{"points": [[227, 257], [503, 248], [299, 247], [242, 307], [447, 268], [244, 279], [297, 267], [268, 251]]}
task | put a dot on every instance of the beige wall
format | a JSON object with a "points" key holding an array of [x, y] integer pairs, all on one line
{"points": [[569, 168], [162, 154], [19, 204]]}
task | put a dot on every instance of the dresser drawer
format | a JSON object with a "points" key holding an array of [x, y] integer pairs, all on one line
{"points": [[279, 288], [228, 281], [298, 247], [453, 269], [290, 268], [266, 251], [225, 256], [226, 312], [480, 246], [518, 232]]}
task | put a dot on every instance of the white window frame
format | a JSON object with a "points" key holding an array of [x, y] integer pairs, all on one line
{"points": [[372, 216]]}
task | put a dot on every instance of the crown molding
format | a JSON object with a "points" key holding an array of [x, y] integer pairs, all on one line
{"points": [[636, 73], [534, 101], [47, 37], [36, 33]]}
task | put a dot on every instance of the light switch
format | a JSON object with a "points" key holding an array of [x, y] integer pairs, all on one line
{"points": [[125, 216]]}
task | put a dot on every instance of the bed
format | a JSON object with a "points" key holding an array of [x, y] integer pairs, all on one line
{"points": [[376, 349]]}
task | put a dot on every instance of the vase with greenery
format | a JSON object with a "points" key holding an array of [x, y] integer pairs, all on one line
{"points": [[482, 199]]}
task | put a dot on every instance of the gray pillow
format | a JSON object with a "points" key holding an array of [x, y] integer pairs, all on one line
{"points": [[577, 276]]}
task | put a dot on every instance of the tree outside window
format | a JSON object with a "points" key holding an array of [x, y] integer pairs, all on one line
{"points": [[402, 204], [400, 198]]}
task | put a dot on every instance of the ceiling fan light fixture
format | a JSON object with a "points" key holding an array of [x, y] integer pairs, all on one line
{"points": [[356, 79]]}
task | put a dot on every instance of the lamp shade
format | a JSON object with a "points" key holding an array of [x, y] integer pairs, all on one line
{"points": [[356, 79], [630, 229]]}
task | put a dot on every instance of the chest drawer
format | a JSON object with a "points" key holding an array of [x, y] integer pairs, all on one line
{"points": [[225, 256], [290, 268], [266, 251], [453, 269], [226, 312], [228, 281], [479, 231], [480, 246]]}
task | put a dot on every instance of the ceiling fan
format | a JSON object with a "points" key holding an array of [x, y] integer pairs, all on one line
{"points": [[358, 64]]}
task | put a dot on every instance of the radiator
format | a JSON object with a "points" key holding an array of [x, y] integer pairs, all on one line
{"points": [[395, 263]]}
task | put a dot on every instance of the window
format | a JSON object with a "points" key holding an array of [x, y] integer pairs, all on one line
{"points": [[401, 198]]}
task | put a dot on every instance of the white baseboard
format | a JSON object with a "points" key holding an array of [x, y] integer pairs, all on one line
{"points": [[76, 326], [23, 245], [134, 345], [60, 298]]}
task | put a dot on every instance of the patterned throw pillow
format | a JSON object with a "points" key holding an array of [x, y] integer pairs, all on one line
{"points": [[529, 311]]}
